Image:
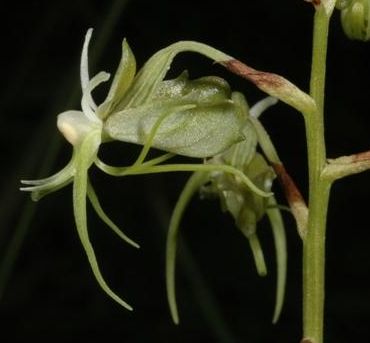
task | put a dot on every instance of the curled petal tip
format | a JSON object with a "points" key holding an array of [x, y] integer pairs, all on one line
{"points": [[84, 66]]}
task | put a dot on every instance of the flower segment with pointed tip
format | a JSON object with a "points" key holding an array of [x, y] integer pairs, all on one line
{"points": [[195, 118]]}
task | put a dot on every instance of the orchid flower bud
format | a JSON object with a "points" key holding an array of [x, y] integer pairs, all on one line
{"points": [[355, 19]]}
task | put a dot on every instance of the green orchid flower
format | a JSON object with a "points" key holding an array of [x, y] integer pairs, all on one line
{"points": [[246, 207], [196, 118]]}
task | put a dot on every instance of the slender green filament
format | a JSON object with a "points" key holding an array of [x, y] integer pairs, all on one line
{"points": [[191, 187], [166, 168], [98, 209]]}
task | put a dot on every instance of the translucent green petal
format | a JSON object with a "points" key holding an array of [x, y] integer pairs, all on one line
{"points": [[246, 221], [122, 81], [192, 185], [84, 64], [148, 144], [100, 212], [87, 103], [278, 230], [84, 155], [149, 140], [262, 105], [258, 255], [265, 141], [263, 137], [240, 155], [147, 81], [188, 131], [207, 89]]}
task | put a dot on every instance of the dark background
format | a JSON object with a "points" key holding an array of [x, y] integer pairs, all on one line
{"points": [[51, 293]]}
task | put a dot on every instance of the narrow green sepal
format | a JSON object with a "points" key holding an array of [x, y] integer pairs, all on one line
{"points": [[278, 230], [121, 82], [258, 255], [190, 188]]}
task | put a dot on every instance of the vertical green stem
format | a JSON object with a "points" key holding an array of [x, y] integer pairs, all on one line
{"points": [[314, 242], [319, 52], [314, 265], [315, 120]]}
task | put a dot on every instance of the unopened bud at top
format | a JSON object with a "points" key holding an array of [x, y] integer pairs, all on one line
{"points": [[355, 18]]}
